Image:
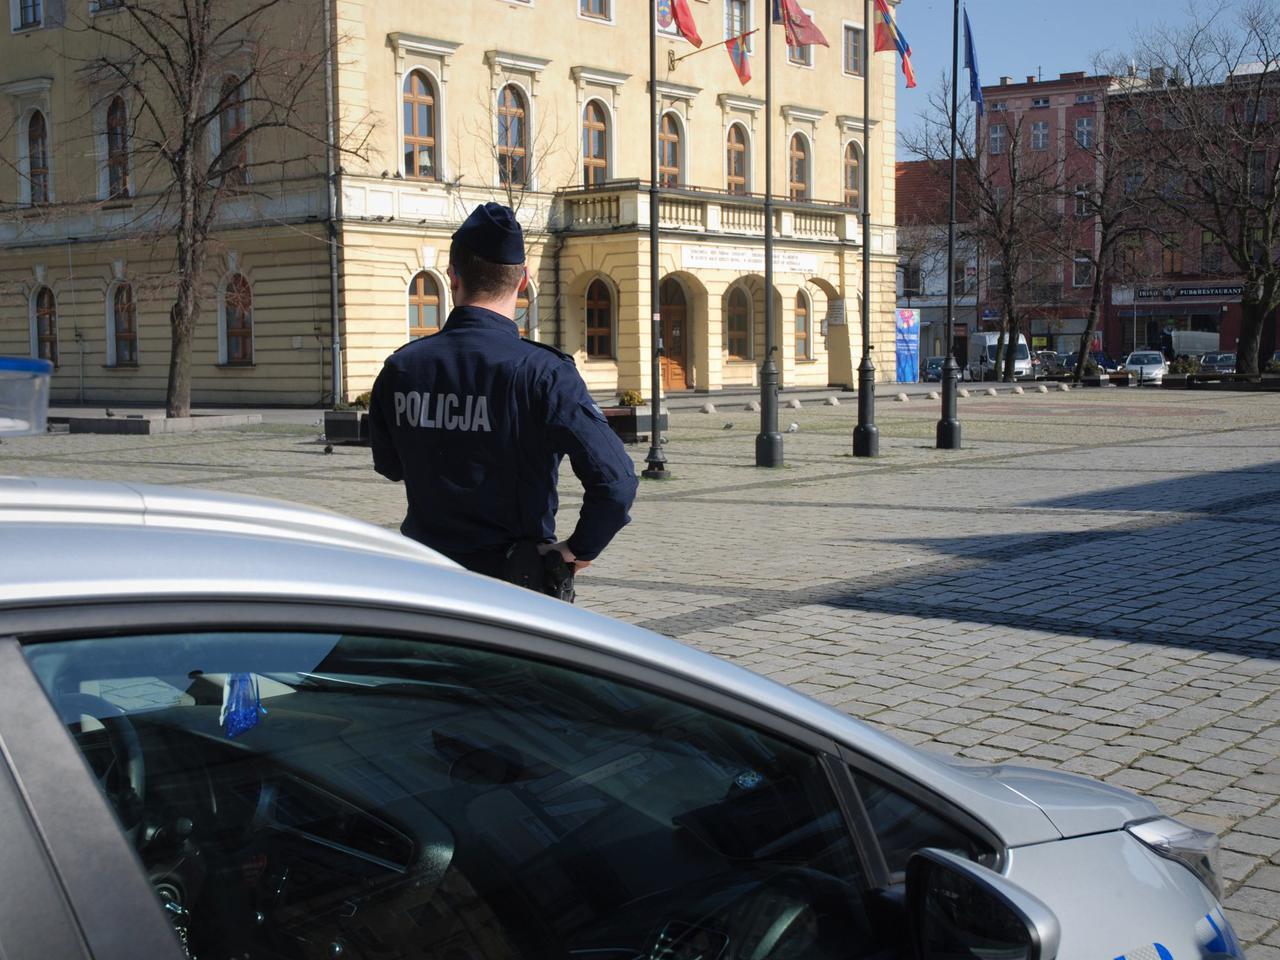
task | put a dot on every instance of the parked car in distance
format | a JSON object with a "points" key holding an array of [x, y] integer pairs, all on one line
{"points": [[1104, 361], [1067, 361], [1218, 363], [982, 356], [1050, 363], [933, 369], [1149, 366], [277, 732]]}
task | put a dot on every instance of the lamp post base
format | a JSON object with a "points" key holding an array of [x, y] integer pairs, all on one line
{"points": [[866, 436], [769, 440], [948, 432], [656, 461], [769, 450]]}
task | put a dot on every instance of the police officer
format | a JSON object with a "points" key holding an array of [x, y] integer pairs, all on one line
{"points": [[475, 421]]}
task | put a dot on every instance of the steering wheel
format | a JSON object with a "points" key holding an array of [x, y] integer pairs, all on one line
{"points": [[795, 913], [126, 751]]}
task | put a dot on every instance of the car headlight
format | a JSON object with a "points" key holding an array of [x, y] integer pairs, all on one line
{"points": [[1195, 849]]}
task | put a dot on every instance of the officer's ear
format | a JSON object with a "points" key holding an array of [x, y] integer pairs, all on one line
{"points": [[455, 285]]}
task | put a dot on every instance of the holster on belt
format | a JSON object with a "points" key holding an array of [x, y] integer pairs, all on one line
{"points": [[526, 566]]}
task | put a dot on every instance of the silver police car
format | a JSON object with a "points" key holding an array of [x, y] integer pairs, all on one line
{"points": [[241, 728]]}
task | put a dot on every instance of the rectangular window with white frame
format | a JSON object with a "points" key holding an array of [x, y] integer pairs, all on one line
{"points": [[596, 10], [1082, 193], [996, 135], [1040, 135], [1082, 269], [801, 56], [1084, 132], [854, 51], [26, 14], [737, 21]]}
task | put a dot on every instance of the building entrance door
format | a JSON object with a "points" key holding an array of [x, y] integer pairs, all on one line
{"points": [[675, 339]]}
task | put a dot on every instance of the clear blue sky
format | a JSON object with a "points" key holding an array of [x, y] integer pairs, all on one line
{"points": [[1018, 37]]}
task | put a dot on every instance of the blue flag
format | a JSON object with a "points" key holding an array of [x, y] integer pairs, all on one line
{"points": [[971, 63]]}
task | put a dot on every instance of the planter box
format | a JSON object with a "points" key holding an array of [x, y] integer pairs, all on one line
{"points": [[1099, 381], [633, 424], [346, 426], [1123, 379], [1175, 381]]}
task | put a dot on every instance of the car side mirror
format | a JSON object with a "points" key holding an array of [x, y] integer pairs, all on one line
{"points": [[957, 908]]}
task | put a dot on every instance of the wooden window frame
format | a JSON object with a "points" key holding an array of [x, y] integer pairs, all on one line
{"points": [[735, 184], [117, 149], [797, 188], [513, 153], [30, 14], [595, 169], [804, 329], [669, 140], [599, 315], [415, 140], [232, 122], [854, 66], [38, 157], [420, 299], [237, 302], [46, 309], [603, 10], [853, 186], [737, 342], [126, 339]]}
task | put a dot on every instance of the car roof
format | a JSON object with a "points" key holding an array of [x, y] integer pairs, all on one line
{"points": [[84, 543]]}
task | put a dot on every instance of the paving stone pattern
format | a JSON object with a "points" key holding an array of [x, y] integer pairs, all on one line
{"points": [[1089, 584]]}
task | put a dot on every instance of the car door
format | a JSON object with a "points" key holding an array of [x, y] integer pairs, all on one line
{"points": [[308, 781]]}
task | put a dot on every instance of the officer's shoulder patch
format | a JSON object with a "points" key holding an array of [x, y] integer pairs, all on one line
{"points": [[546, 346]]}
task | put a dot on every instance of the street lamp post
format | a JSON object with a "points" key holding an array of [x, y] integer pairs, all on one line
{"points": [[948, 432], [655, 459], [769, 440], [866, 436]]}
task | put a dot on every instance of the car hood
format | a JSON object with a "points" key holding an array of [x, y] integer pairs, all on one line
{"points": [[1075, 805]]}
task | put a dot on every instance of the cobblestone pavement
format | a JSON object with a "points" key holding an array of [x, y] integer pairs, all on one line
{"points": [[1088, 584]]}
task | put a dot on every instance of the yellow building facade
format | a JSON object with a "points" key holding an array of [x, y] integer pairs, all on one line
{"points": [[541, 104]]}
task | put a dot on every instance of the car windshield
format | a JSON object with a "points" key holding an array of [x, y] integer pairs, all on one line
{"points": [[1021, 353], [1145, 359], [1219, 358]]}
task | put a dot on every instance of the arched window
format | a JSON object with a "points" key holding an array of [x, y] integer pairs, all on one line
{"points": [[527, 312], [736, 160], [238, 314], [799, 168], [669, 151], [124, 327], [46, 326], [513, 137], [117, 149], [738, 325], [804, 341], [852, 177], [231, 125], [424, 306], [595, 144], [599, 321], [420, 127], [38, 158]]}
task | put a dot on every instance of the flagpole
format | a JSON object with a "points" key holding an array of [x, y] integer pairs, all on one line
{"points": [[948, 430], [769, 441], [866, 436], [656, 460]]}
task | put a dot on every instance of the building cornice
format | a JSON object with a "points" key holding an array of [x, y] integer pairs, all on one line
{"points": [[792, 112], [851, 124], [514, 61], [598, 76], [24, 88], [676, 91], [411, 43], [734, 101]]}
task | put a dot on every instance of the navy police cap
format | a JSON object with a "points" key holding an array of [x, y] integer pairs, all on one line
{"points": [[493, 233]]}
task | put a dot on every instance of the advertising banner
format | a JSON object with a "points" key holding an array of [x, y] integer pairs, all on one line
{"points": [[907, 341]]}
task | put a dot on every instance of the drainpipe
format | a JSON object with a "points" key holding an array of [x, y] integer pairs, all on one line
{"points": [[331, 206], [555, 259]]}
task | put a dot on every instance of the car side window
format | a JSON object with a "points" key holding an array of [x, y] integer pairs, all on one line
{"points": [[297, 795], [903, 825]]}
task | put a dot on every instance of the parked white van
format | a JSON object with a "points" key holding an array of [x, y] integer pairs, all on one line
{"points": [[982, 356]]}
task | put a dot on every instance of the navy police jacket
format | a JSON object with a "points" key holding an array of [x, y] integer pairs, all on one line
{"points": [[475, 420]]}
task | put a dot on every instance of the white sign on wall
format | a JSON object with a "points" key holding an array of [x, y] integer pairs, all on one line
{"points": [[746, 259]]}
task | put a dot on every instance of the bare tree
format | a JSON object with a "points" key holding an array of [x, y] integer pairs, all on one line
{"points": [[1203, 131], [1110, 204], [1015, 218], [206, 81]]}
